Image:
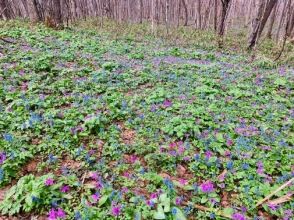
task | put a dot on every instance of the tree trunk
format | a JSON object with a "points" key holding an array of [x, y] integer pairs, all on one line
{"points": [[141, 11], [224, 12], [56, 9], [199, 14], [33, 11], [5, 9], [258, 25], [271, 22], [215, 15], [186, 12]]}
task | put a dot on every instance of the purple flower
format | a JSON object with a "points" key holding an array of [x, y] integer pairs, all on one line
{"points": [[260, 169], [60, 213], [52, 215], [115, 209], [150, 203], [178, 201], [229, 142], [153, 196], [208, 154], [272, 206], [2, 157], [238, 216], [207, 187], [56, 214], [288, 214], [167, 103], [95, 197], [64, 188], [49, 182]]}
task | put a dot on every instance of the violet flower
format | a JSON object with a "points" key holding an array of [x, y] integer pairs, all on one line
{"points": [[207, 187]]}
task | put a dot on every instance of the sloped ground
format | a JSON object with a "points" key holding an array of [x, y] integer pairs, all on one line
{"points": [[95, 128]]}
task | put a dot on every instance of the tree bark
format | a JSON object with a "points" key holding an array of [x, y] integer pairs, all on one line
{"points": [[5, 9], [56, 9], [271, 22], [215, 15], [224, 12], [33, 11], [199, 14], [264, 11], [186, 12]]}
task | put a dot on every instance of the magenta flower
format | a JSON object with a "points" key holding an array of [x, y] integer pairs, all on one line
{"points": [[238, 216], [49, 182], [153, 196], [115, 209], [64, 188], [2, 157], [95, 197], [52, 214], [178, 201], [183, 182], [150, 203], [167, 103], [208, 154], [133, 158], [207, 187], [60, 213], [56, 214], [229, 142]]}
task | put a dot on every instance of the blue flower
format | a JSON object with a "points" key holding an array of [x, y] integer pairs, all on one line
{"points": [[52, 158], [245, 166], [8, 137], [1, 174], [174, 211], [212, 216], [169, 184], [78, 215], [230, 165]]}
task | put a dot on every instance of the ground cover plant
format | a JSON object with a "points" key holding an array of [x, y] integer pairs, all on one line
{"points": [[93, 127]]}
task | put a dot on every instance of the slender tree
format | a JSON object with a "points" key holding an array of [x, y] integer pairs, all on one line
{"points": [[271, 22], [264, 11], [224, 13]]}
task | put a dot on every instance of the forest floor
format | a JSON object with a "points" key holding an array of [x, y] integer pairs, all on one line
{"points": [[99, 128]]}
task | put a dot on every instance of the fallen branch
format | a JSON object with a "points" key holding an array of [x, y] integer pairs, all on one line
{"points": [[212, 210], [205, 209], [282, 199], [274, 192], [7, 41]]}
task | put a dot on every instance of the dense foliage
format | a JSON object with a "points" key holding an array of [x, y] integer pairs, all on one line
{"points": [[97, 128]]}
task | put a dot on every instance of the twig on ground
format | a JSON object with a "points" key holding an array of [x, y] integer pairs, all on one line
{"points": [[281, 200], [274, 192], [7, 41]]}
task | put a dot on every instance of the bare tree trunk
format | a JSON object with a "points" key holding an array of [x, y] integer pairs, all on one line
{"points": [[263, 13], [56, 8], [186, 12], [281, 21], [5, 9], [33, 11], [224, 12], [288, 22], [271, 22], [199, 14], [215, 15], [141, 11]]}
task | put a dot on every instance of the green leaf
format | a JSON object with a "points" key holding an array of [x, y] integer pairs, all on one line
{"points": [[103, 200], [179, 215], [204, 200], [159, 214], [228, 211]]}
